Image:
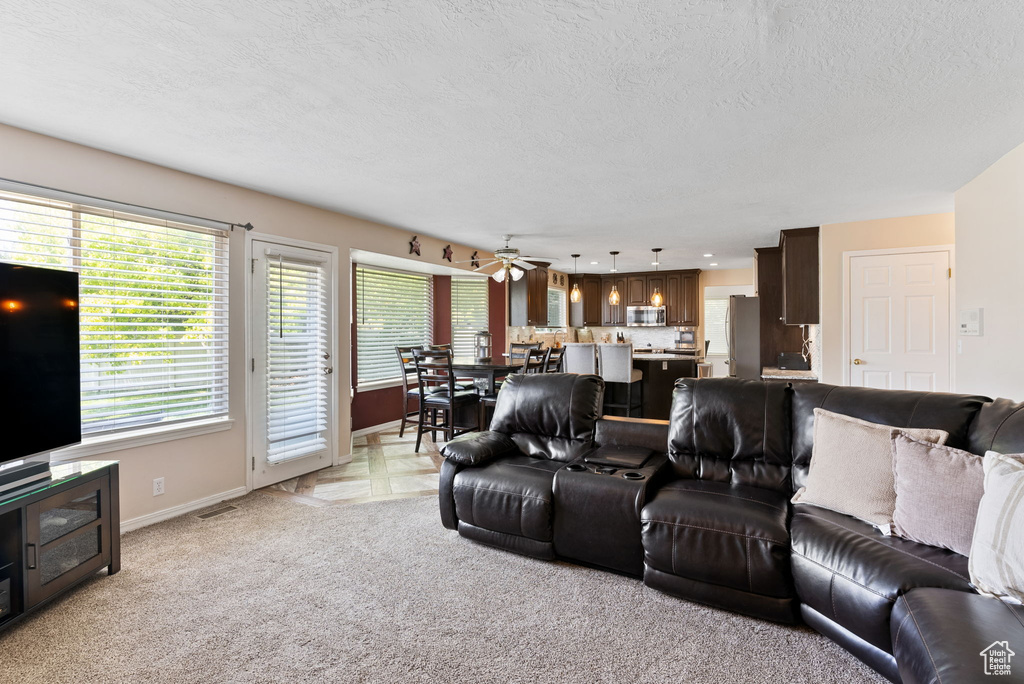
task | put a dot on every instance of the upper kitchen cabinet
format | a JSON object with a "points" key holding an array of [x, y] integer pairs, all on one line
{"points": [[776, 336], [586, 312], [528, 298], [613, 314], [682, 297], [800, 276], [636, 286]]}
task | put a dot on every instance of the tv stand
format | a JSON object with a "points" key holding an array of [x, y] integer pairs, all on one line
{"points": [[57, 533]]}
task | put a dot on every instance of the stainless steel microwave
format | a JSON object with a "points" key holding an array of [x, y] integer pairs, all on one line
{"points": [[645, 316]]}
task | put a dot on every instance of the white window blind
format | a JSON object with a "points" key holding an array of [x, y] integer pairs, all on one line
{"points": [[469, 313], [556, 307], [715, 309], [153, 307], [393, 309], [297, 330]]}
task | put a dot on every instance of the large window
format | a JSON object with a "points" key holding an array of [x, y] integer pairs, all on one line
{"points": [[715, 309], [556, 307], [393, 309], [469, 313], [153, 308]]}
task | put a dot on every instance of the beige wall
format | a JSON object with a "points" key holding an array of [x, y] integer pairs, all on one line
{"points": [[836, 238], [990, 276], [208, 465]]}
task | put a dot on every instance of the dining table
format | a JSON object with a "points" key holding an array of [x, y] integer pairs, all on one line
{"points": [[489, 369]]}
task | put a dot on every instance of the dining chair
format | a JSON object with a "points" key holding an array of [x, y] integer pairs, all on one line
{"points": [[407, 367], [439, 395], [517, 351], [553, 362], [580, 357], [535, 361], [615, 366]]}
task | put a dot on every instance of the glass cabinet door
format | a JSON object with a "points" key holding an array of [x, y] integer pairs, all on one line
{"points": [[67, 538]]}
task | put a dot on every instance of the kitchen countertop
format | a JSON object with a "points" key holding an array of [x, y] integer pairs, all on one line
{"points": [[662, 357], [774, 373]]}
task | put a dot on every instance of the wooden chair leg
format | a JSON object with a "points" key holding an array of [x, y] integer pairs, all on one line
{"points": [[629, 399], [419, 426]]}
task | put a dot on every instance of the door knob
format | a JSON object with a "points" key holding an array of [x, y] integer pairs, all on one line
{"points": [[857, 362]]}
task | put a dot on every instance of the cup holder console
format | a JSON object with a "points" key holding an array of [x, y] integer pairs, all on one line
{"points": [[607, 470], [631, 475], [576, 467]]}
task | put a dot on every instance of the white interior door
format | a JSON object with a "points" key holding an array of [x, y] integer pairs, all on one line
{"points": [[292, 365], [899, 321]]}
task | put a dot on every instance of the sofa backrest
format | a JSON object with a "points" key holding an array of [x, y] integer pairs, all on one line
{"points": [[549, 415], [731, 430], [638, 432], [953, 413], [999, 427]]}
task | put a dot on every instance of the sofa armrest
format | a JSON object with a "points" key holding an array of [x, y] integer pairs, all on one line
{"points": [[476, 448]]}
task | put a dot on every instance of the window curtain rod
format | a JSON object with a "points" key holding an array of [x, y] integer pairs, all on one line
{"points": [[99, 202]]}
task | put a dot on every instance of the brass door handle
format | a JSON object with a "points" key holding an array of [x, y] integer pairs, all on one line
{"points": [[857, 362]]}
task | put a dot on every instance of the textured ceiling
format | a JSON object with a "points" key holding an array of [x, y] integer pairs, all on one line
{"points": [[584, 125]]}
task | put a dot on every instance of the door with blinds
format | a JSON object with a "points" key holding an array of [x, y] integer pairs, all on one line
{"points": [[292, 365]]}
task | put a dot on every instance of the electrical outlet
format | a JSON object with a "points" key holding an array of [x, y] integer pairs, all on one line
{"points": [[158, 486]]}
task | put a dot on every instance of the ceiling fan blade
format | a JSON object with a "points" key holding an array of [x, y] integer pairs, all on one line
{"points": [[539, 258], [491, 263]]}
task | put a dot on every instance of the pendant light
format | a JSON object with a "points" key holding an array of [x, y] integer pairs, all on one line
{"points": [[613, 296], [657, 299], [575, 296]]}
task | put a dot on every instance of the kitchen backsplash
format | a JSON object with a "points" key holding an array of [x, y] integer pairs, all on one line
{"points": [[660, 338]]}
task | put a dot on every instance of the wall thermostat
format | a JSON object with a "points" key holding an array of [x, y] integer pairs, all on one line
{"points": [[971, 321]]}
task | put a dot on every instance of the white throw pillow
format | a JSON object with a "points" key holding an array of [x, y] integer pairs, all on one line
{"points": [[851, 466], [997, 551]]}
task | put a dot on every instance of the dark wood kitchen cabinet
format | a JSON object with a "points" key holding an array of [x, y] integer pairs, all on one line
{"points": [[587, 311], [776, 336], [636, 286], [528, 297], [800, 277], [682, 297], [613, 314]]}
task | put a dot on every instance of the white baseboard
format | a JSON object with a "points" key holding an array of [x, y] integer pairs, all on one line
{"points": [[175, 511], [376, 428]]}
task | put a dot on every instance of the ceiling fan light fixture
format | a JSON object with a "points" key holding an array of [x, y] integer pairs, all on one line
{"points": [[499, 275], [516, 273]]}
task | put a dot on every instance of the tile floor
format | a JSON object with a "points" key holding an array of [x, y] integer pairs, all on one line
{"points": [[384, 466]]}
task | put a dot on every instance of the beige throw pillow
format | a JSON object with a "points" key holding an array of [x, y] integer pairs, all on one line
{"points": [[938, 489], [851, 466], [997, 553]]}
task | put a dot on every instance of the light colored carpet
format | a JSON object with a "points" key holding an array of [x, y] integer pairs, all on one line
{"points": [[380, 592]]}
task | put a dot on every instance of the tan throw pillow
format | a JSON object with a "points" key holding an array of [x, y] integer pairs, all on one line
{"points": [[851, 466], [997, 553], [938, 489]]}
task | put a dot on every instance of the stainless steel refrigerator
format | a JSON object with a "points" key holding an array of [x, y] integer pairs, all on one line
{"points": [[743, 332]]}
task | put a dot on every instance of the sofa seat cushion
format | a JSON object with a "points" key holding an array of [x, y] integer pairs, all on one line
{"points": [[511, 495], [849, 572], [953, 636], [719, 533]]}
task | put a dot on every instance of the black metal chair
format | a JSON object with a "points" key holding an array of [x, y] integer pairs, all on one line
{"points": [[439, 395]]}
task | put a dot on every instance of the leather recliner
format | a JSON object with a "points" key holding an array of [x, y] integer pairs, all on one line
{"points": [[496, 486], [717, 532], [848, 575]]}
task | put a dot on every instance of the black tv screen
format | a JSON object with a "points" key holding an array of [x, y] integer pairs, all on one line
{"points": [[40, 386]]}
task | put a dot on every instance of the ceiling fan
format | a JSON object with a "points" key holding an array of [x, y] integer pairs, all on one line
{"points": [[512, 262]]}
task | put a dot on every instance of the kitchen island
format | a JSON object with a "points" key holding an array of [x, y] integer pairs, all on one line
{"points": [[660, 374]]}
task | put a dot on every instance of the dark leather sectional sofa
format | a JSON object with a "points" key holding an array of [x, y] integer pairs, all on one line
{"points": [[699, 508]]}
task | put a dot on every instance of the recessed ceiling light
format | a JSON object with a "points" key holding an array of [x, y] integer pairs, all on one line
{"points": [[709, 255], [713, 263], [594, 263]]}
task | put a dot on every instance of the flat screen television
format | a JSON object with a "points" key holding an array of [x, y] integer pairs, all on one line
{"points": [[40, 385]]}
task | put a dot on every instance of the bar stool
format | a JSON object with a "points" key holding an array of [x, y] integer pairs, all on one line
{"points": [[615, 363], [580, 357], [553, 362]]}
